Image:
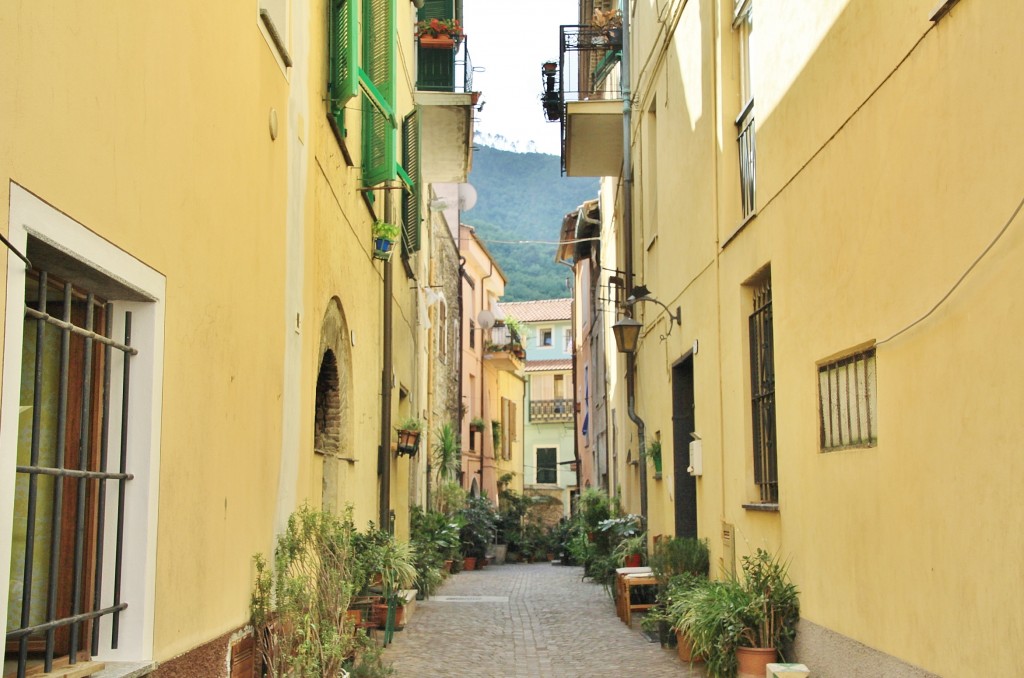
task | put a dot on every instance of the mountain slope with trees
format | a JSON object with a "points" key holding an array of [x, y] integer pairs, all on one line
{"points": [[523, 196]]}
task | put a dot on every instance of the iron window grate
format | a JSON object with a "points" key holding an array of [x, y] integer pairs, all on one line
{"points": [[848, 410], [762, 381], [64, 471]]}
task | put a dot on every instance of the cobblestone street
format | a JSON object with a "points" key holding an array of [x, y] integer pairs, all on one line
{"points": [[526, 621]]}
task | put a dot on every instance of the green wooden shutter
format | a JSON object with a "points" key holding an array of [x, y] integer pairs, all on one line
{"points": [[436, 9], [379, 130], [344, 65], [411, 198]]}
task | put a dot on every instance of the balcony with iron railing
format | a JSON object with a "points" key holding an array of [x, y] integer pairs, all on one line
{"points": [[446, 103], [551, 411], [443, 65], [504, 348], [581, 93]]}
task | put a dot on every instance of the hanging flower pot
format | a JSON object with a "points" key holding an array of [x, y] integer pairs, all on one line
{"points": [[384, 237], [439, 33], [409, 436]]}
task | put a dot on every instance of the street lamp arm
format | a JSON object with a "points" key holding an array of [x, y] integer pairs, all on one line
{"points": [[677, 316]]}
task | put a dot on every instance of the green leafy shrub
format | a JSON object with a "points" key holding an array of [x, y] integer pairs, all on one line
{"points": [[298, 606]]}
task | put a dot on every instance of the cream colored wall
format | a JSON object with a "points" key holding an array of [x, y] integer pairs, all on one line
{"points": [[512, 386], [108, 131], [157, 138], [871, 205], [341, 255]]}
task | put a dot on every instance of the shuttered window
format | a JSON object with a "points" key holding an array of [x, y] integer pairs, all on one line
{"points": [[343, 83], [411, 196], [547, 465], [379, 129], [506, 422]]}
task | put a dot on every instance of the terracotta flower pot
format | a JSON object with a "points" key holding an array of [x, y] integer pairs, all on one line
{"points": [[469, 563], [448, 566], [684, 647], [634, 560], [440, 42], [754, 661]]}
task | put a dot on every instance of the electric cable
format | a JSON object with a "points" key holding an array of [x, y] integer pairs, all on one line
{"points": [[970, 268]]}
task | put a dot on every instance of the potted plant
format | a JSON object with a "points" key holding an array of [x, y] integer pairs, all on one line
{"points": [[439, 33], [384, 237], [741, 625], [631, 551], [395, 562], [654, 454], [477, 518], [447, 459], [300, 601], [609, 23], [409, 436], [476, 424], [679, 564]]}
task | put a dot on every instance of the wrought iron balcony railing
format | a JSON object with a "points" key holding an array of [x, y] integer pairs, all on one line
{"points": [[503, 338], [559, 410], [587, 56]]}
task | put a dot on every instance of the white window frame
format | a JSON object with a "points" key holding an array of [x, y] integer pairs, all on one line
{"points": [[568, 340], [540, 337], [29, 215], [272, 17]]}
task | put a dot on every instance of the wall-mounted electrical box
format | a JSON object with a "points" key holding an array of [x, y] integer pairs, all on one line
{"points": [[696, 467]]}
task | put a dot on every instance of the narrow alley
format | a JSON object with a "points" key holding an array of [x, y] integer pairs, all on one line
{"points": [[526, 620]]}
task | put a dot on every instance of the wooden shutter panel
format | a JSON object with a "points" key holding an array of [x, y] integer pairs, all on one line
{"points": [[379, 133], [411, 198], [505, 434], [344, 64], [436, 9]]}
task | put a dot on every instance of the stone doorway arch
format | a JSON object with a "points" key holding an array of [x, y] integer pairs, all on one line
{"points": [[332, 430]]}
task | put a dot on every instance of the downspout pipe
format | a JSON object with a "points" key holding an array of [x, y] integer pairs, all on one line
{"points": [[627, 231], [384, 518], [483, 392], [575, 378]]}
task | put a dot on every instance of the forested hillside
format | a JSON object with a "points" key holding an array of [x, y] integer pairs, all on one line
{"points": [[523, 196]]}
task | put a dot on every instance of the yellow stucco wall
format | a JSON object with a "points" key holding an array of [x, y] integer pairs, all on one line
{"points": [[155, 134], [885, 166]]}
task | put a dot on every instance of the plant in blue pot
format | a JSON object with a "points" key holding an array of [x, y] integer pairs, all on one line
{"points": [[385, 236]]}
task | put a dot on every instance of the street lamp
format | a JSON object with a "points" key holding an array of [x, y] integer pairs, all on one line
{"points": [[627, 333], [627, 330]]}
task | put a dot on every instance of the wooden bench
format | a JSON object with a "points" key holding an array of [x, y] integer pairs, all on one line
{"points": [[626, 578]]}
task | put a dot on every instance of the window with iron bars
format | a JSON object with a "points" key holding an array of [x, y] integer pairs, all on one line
{"points": [[762, 388], [71, 477], [743, 23], [847, 402]]}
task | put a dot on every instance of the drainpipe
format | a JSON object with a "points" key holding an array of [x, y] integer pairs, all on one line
{"points": [[385, 386], [483, 299], [575, 385], [462, 348], [627, 231]]}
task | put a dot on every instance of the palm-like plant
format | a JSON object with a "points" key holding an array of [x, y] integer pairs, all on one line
{"points": [[446, 453]]}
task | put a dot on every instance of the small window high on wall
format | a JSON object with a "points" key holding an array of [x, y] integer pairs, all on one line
{"points": [[847, 402]]}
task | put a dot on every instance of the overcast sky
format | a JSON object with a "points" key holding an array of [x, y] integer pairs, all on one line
{"points": [[510, 41]]}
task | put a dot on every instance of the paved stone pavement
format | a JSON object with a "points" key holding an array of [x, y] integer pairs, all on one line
{"points": [[526, 621]]}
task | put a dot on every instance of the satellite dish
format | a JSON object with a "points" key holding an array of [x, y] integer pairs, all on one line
{"points": [[467, 197], [485, 319]]}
